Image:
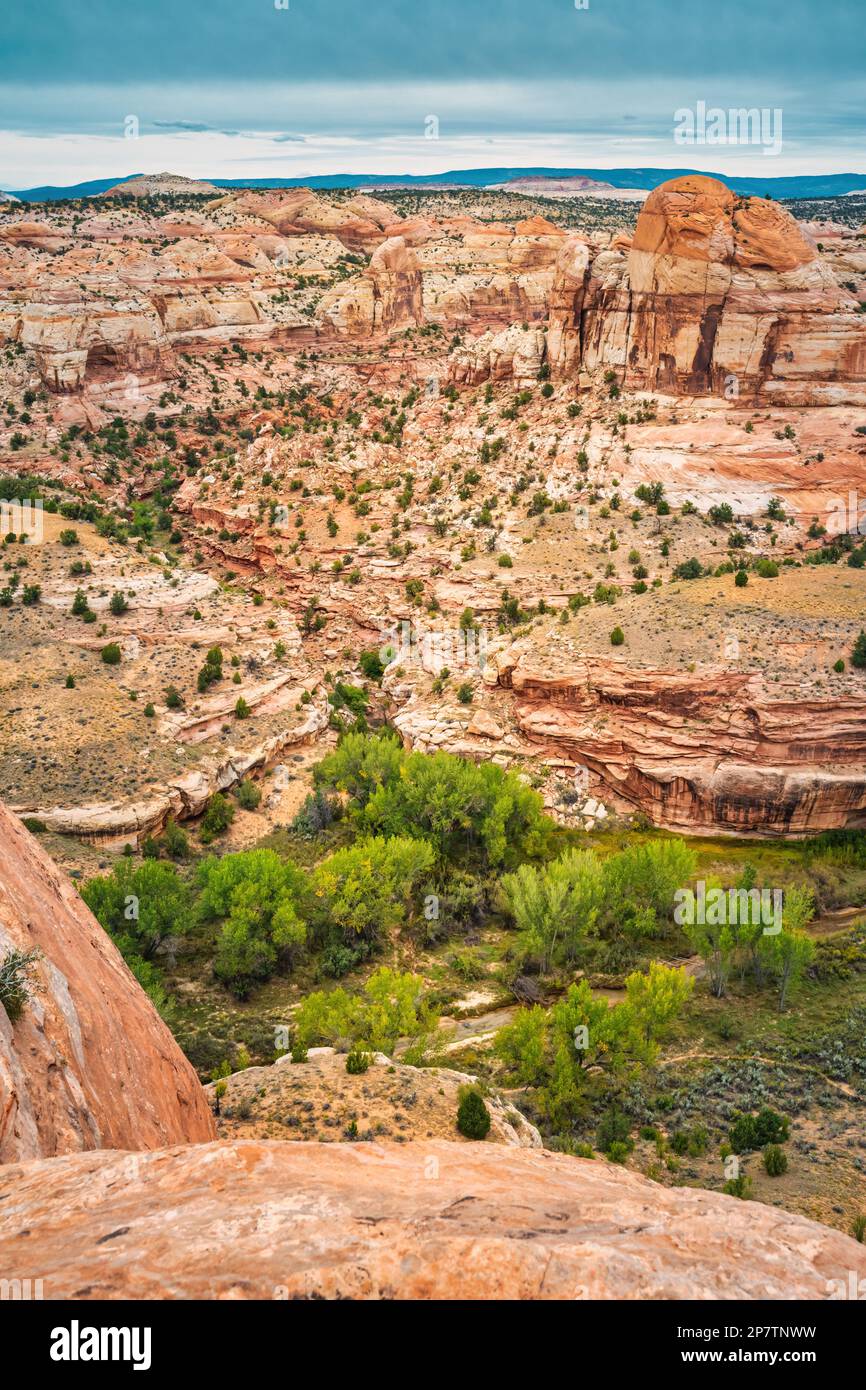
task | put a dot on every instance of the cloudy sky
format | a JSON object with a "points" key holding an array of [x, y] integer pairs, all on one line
{"points": [[242, 88]]}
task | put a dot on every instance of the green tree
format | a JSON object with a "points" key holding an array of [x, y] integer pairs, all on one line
{"points": [[140, 907], [457, 805], [657, 998], [360, 764], [391, 1006], [555, 906], [258, 899], [369, 888], [473, 1117]]}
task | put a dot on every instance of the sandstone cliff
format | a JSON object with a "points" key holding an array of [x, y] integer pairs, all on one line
{"points": [[716, 293], [89, 1064]]}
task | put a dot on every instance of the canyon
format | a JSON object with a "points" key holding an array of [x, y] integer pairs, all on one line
{"points": [[715, 348], [575, 493]]}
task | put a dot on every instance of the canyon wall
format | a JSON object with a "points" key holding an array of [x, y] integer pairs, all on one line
{"points": [[693, 753], [89, 1063]]}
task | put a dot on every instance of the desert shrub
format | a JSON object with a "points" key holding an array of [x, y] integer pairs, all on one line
{"points": [[211, 671], [249, 794], [767, 569], [118, 604], [175, 840], [217, 818], [775, 1161], [111, 654], [689, 569], [315, 815], [358, 1061], [16, 982], [749, 1132], [350, 698], [739, 1187], [613, 1128], [473, 1117], [618, 1151], [372, 666]]}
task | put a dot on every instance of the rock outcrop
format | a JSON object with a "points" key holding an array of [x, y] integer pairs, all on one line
{"points": [[432, 1220], [698, 751], [716, 294], [89, 1063], [386, 297], [318, 1099]]}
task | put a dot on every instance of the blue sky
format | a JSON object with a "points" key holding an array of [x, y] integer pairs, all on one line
{"points": [[236, 88]]}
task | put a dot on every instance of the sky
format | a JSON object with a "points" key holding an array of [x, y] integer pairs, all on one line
{"points": [[292, 88]]}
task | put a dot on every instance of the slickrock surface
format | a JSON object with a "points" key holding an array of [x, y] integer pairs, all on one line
{"points": [[89, 1063], [423, 1220]]}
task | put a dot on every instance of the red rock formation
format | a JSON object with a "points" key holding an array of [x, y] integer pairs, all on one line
{"points": [[717, 291], [698, 751], [89, 1064], [387, 296], [432, 1220]]}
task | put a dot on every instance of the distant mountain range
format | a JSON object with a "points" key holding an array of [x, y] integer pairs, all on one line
{"points": [[794, 186]]}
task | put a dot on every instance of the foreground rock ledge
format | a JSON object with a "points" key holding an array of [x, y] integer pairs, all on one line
{"points": [[434, 1220]]}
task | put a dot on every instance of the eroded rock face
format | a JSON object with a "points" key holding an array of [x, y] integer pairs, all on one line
{"points": [[432, 1220], [89, 1064], [716, 293], [699, 751], [387, 296]]}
